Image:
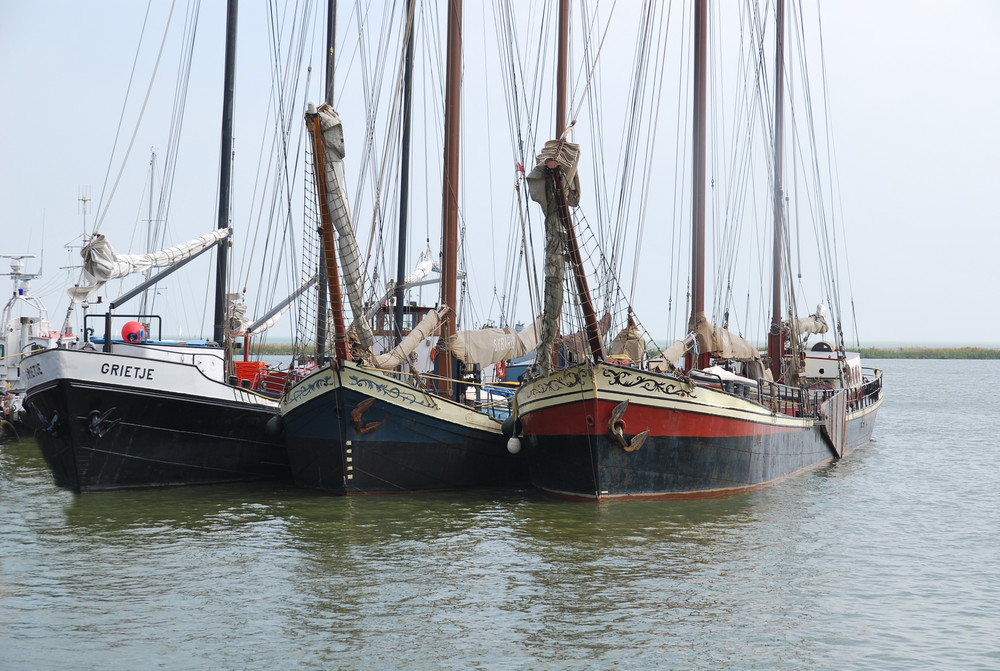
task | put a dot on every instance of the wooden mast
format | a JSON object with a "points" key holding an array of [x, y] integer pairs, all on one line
{"points": [[449, 232], [328, 257], [559, 189], [698, 200], [775, 345], [225, 173], [404, 178], [562, 65], [327, 240]]}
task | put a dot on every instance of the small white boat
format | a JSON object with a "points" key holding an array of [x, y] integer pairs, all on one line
{"points": [[26, 329]]}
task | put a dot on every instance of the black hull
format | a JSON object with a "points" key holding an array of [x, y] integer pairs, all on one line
{"points": [[594, 467], [101, 437]]}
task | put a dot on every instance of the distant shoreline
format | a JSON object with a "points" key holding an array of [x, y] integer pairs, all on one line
{"points": [[866, 352], [930, 353]]}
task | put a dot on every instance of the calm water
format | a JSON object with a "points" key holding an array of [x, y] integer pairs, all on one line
{"points": [[889, 560]]}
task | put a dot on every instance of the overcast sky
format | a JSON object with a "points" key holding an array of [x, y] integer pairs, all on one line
{"points": [[914, 92]]}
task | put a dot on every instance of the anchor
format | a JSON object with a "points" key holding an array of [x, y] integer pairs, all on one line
{"points": [[98, 423], [616, 429], [46, 425], [357, 417]]}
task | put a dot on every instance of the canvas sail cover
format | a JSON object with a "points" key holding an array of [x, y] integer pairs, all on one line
{"points": [[721, 343], [665, 362], [814, 323], [400, 354], [350, 266], [576, 345], [101, 263], [490, 345], [566, 155], [240, 324], [629, 342], [271, 321], [424, 267], [236, 316]]}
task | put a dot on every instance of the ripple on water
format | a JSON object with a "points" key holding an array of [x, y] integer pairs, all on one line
{"points": [[886, 560]]}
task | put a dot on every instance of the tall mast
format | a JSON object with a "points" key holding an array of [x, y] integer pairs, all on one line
{"points": [[144, 307], [327, 242], [774, 337], [698, 200], [559, 188], [449, 234], [562, 67], [331, 47], [321, 298], [225, 172], [404, 187]]}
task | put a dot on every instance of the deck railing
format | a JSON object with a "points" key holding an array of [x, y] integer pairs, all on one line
{"points": [[796, 401]]}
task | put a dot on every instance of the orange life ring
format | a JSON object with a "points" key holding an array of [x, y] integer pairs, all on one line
{"points": [[501, 369]]}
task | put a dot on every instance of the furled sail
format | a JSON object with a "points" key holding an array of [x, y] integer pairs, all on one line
{"points": [[629, 342], [273, 316], [490, 345], [270, 321], [575, 344], [237, 321], [400, 354], [814, 323], [566, 155], [424, 267], [101, 263], [350, 266], [665, 363], [720, 342], [417, 277]]}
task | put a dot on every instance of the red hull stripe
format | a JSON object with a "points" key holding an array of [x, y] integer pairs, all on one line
{"points": [[591, 418]]}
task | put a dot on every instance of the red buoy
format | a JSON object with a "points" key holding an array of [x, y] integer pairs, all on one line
{"points": [[133, 332]]}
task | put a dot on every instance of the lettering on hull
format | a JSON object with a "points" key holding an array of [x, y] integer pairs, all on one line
{"points": [[121, 370]]}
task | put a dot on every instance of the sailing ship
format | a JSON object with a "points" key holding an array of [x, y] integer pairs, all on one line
{"points": [[622, 425], [353, 426], [26, 329], [141, 411]]}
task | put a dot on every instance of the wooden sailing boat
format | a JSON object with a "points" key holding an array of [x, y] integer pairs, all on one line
{"points": [[353, 427], [619, 429], [139, 412]]}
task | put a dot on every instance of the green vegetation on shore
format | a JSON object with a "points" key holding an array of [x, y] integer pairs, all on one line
{"points": [[269, 349], [930, 353]]}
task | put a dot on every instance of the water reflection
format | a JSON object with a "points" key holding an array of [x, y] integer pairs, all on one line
{"points": [[894, 540]]}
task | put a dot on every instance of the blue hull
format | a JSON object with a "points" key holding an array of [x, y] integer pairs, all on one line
{"points": [[402, 441]]}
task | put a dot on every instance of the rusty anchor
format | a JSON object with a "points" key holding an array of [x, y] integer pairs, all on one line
{"points": [[357, 417], [616, 429]]}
